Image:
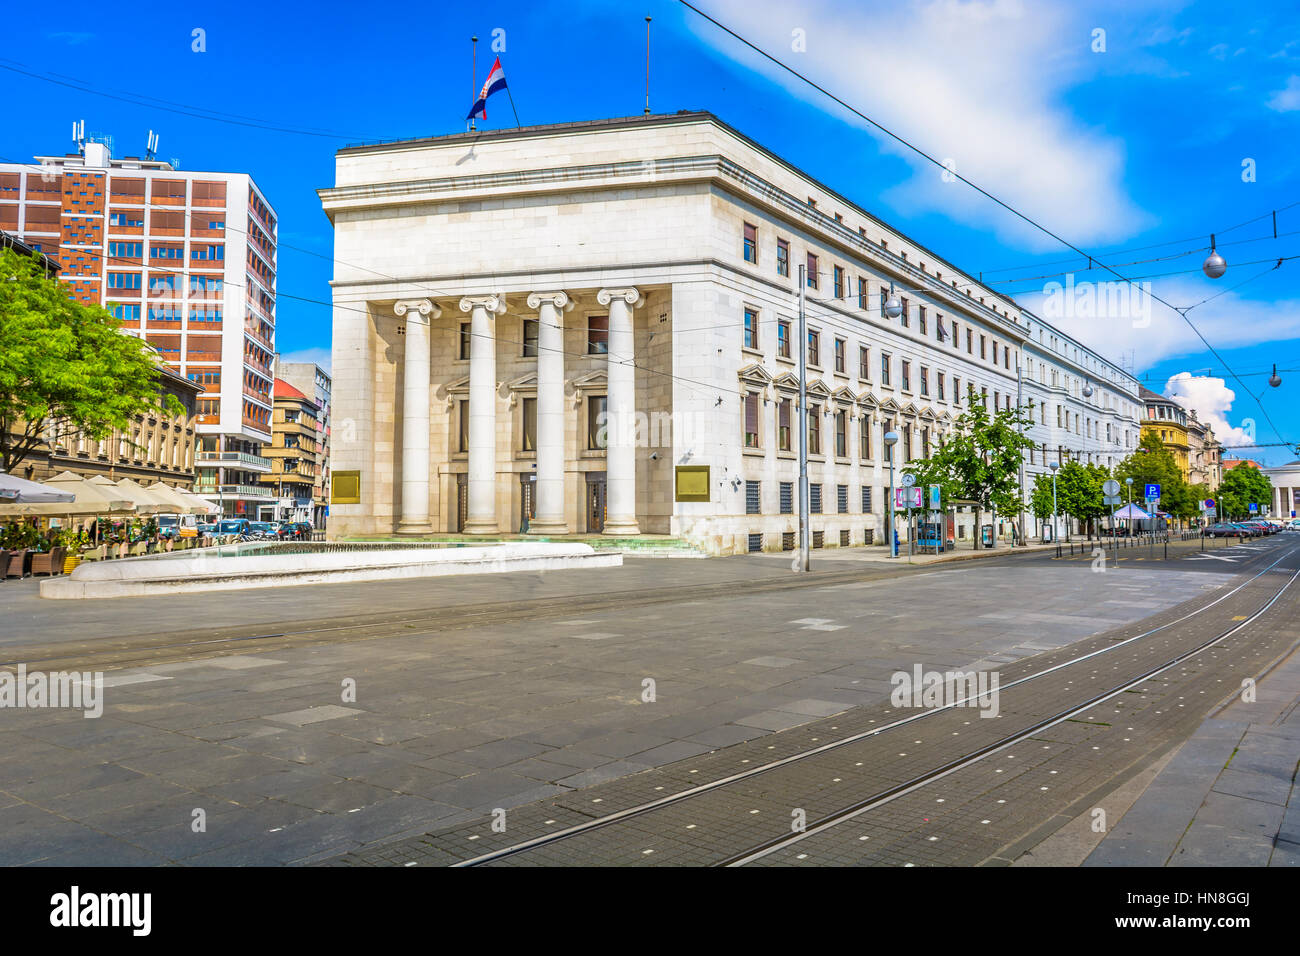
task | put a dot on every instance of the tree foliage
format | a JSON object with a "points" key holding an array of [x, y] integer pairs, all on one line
{"points": [[1243, 486], [64, 366], [980, 460]]}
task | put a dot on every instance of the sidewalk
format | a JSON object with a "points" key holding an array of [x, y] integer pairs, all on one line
{"points": [[1228, 795]]}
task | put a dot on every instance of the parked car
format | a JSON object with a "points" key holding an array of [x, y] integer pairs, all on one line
{"points": [[1224, 529], [263, 529], [295, 531], [232, 526]]}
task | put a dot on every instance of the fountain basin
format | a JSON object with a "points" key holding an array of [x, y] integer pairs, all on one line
{"points": [[275, 564]]}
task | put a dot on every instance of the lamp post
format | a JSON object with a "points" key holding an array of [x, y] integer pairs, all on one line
{"points": [[805, 531], [891, 439], [1214, 266], [1056, 531]]}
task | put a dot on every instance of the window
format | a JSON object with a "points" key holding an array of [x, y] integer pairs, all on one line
{"points": [[464, 340], [920, 319], [815, 499], [783, 257], [907, 443], [529, 429], [814, 430], [125, 312], [814, 341], [783, 424], [864, 363], [925, 442], [925, 380], [597, 406], [866, 500], [905, 318], [208, 252], [956, 338], [751, 243], [841, 434], [161, 283], [462, 440], [783, 338], [938, 383], [751, 329], [787, 497], [982, 342], [597, 334], [862, 293], [751, 420], [125, 250], [124, 280], [753, 499], [956, 390], [884, 367], [968, 342], [842, 499], [811, 277], [907, 376], [864, 437], [841, 348], [838, 274], [530, 338]]}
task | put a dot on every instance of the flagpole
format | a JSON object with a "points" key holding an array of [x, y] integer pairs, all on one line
{"points": [[647, 66], [473, 76], [512, 107]]}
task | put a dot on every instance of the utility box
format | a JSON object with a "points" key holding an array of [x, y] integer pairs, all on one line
{"points": [[986, 535]]}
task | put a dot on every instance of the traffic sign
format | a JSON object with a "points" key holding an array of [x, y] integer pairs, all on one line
{"points": [[1152, 492], [1207, 504], [1110, 487], [909, 481], [1110, 500], [1254, 507]]}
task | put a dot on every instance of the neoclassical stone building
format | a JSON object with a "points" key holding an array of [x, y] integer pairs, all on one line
{"points": [[592, 328]]}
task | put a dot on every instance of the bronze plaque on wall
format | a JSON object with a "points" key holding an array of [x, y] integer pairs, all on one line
{"points": [[691, 483], [345, 488]]}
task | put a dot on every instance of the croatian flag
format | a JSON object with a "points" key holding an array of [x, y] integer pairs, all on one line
{"points": [[496, 80]]}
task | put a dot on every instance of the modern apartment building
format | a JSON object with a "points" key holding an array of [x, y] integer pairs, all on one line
{"points": [[187, 261], [293, 479], [312, 380], [597, 332]]}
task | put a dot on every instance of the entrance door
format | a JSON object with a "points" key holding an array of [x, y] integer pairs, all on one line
{"points": [[462, 501], [596, 503], [527, 500]]}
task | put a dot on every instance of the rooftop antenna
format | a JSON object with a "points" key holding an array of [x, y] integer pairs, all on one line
{"points": [[151, 147], [79, 133], [473, 77], [647, 66]]}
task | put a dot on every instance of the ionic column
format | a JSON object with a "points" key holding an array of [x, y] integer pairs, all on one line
{"points": [[550, 411], [415, 415], [482, 511], [620, 453]]}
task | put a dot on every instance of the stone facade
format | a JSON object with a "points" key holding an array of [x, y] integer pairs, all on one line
{"points": [[495, 292]]}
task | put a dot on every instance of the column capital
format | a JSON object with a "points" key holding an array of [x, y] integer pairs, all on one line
{"points": [[561, 300], [629, 295], [494, 303], [422, 306]]}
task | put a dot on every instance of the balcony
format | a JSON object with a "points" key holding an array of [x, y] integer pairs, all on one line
{"points": [[234, 459], [231, 491]]}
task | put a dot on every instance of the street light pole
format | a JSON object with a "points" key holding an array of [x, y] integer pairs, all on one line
{"points": [[1056, 537], [804, 533], [1020, 518], [891, 439]]}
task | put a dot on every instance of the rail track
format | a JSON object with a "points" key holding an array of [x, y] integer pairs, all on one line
{"points": [[1163, 661]]}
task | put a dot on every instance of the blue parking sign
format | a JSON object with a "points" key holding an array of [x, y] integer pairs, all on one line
{"points": [[1254, 507], [1153, 492]]}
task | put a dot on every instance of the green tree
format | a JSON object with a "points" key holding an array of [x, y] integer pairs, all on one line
{"points": [[980, 460], [1242, 486], [64, 366]]}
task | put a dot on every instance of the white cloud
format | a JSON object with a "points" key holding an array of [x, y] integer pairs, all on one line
{"points": [[1286, 99], [981, 82], [1157, 333], [1211, 399], [321, 356]]}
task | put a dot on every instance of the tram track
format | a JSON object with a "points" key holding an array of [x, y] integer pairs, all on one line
{"points": [[882, 796]]}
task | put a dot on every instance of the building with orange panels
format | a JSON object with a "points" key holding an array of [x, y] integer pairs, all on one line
{"points": [[187, 261]]}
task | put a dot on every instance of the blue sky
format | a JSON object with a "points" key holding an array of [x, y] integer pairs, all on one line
{"points": [[1130, 139]]}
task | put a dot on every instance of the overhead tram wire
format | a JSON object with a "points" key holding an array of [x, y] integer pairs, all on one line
{"points": [[1009, 208]]}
